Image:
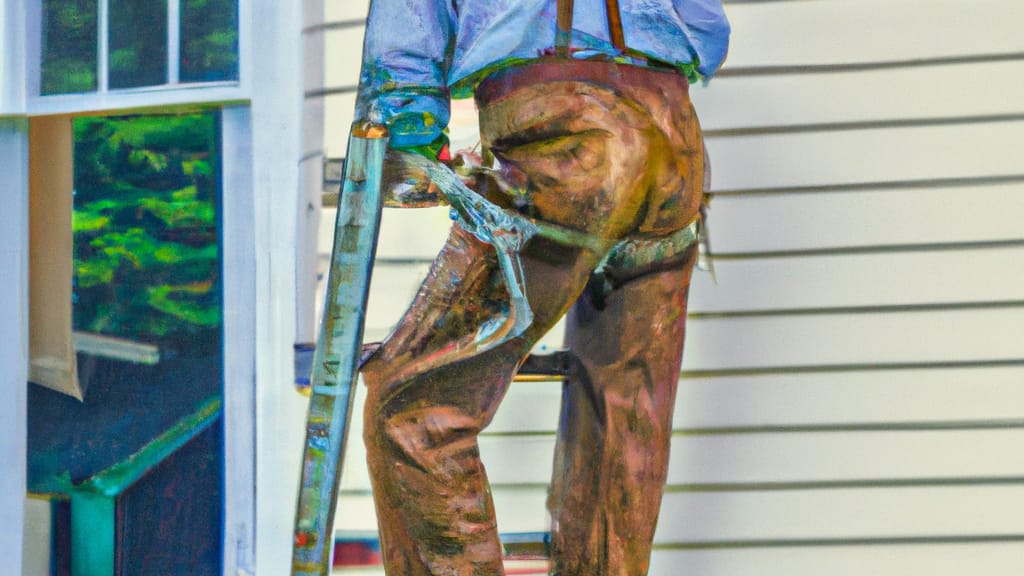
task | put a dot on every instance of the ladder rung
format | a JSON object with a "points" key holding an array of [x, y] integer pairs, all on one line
{"points": [[546, 366], [353, 548]]}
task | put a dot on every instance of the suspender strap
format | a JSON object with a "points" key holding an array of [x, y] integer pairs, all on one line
{"points": [[563, 32], [615, 24]]}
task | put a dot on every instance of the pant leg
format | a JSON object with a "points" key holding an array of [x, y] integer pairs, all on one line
{"points": [[433, 501], [611, 457]]}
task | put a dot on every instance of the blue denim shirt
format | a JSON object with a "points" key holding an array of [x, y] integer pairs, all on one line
{"points": [[419, 52]]}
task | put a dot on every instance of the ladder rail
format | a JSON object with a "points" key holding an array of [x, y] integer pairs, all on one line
{"points": [[336, 359]]}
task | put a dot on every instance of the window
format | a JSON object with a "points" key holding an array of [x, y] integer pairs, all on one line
{"points": [[143, 268], [137, 276], [146, 252], [108, 45]]}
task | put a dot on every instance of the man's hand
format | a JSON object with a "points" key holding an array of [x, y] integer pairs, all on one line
{"points": [[407, 186]]}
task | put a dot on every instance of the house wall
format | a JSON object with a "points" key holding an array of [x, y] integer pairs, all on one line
{"points": [[852, 399], [277, 84]]}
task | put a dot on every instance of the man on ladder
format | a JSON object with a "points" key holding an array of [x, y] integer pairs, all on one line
{"points": [[588, 115]]}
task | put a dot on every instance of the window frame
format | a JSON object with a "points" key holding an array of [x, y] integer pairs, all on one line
{"points": [[104, 99], [14, 327], [238, 293]]}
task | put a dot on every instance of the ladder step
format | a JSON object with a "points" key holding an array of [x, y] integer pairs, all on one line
{"points": [[545, 366], [353, 548]]}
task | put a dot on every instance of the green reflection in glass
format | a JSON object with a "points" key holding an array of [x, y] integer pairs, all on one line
{"points": [[69, 48], [146, 227], [138, 43], [209, 40]]}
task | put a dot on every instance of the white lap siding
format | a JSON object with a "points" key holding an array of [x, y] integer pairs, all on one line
{"points": [[852, 395]]}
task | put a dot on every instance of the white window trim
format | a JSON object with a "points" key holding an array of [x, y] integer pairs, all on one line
{"points": [[14, 331], [173, 42], [102, 52], [238, 257]]}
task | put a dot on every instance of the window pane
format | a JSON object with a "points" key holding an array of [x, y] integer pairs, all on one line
{"points": [[69, 46], [209, 40], [138, 43], [145, 230]]}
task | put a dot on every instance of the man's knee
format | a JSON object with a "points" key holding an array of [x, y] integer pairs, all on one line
{"points": [[420, 434]]}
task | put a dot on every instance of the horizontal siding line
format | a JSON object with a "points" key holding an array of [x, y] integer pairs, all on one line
{"points": [[786, 70], [862, 125], [354, 493], [802, 253], [787, 312], [781, 486], [330, 91], [919, 426], [865, 483], [792, 486], [391, 261], [842, 542], [835, 368], [538, 543], [394, 261], [922, 426], [923, 184], [880, 309], [335, 25], [872, 249], [361, 22], [790, 69], [805, 485]]}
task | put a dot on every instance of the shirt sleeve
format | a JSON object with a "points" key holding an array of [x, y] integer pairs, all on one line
{"points": [[707, 29], [407, 52]]}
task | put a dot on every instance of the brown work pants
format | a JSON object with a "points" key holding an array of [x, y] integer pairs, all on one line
{"points": [[607, 149]]}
